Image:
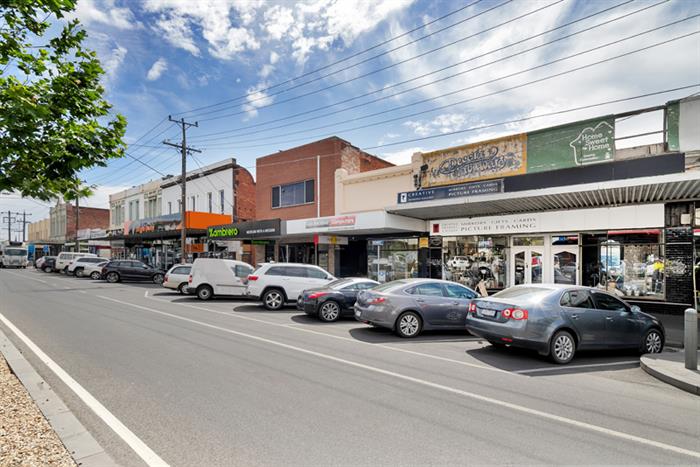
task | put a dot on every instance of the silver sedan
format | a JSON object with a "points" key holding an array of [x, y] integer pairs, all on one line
{"points": [[557, 320], [412, 305]]}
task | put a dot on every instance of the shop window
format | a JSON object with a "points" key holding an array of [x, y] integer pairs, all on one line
{"points": [[392, 259], [472, 259], [625, 263], [293, 194], [528, 241]]}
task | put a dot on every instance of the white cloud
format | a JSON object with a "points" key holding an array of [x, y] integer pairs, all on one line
{"points": [[176, 30], [91, 12], [278, 20], [445, 123], [157, 69], [256, 98], [113, 62], [400, 157], [274, 57]]}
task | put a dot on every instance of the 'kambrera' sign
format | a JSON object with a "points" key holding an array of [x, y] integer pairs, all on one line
{"points": [[245, 230]]}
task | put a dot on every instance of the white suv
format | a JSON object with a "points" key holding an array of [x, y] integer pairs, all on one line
{"points": [[77, 266], [64, 259], [278, 283]]}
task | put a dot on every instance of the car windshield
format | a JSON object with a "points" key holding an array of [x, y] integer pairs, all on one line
{"points": [[534, 293], [338, 283], [389, 286], [15, 252]]}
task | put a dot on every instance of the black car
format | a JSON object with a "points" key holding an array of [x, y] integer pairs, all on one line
{"points": [[335, 299], [131, 270], [49, 264]]}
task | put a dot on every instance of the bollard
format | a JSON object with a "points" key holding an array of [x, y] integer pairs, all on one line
{"points": [[690, 342]]}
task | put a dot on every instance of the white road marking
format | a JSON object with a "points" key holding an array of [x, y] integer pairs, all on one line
{"points": [[139, 447], [26, 277], [297, 327], [471, 395], [572, 367]]}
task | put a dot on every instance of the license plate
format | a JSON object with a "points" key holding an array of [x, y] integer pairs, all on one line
{"points": [[487, 312]]}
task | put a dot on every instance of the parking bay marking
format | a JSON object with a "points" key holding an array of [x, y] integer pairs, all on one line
{"points": [[134, 442], [459, 392], [354, 341]]}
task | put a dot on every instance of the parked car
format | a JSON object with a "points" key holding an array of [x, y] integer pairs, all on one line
{"points": [[49, 264], [77, 266], [39, 262], [278, 283], [335, 299], [131, 270], [409, 306], [211, 277], [64, 259], [177, 277], [94, 270], [558, 320]]}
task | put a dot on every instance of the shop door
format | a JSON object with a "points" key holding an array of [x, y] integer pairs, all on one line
{"points": [[527, 265], [565, 261]]}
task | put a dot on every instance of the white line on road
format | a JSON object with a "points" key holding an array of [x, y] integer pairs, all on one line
{"points": [[471, 395], [139, 447], [573, 367], [297, 327], [23, 276]]}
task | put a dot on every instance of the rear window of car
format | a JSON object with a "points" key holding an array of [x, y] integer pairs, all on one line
{"points": [[277, 271], [339, 283], [242, 271], [518, 292], [182, 270], [315, 273]]}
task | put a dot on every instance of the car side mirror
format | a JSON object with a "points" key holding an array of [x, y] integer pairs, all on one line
{"points": [[635, 309]]}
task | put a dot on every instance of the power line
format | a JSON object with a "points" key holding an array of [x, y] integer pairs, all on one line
{"points": [[433, 72], [325, 67], [400, 62], [481, 84]]}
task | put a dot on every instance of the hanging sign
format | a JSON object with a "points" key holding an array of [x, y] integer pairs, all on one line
{"points": [[503, 157]]}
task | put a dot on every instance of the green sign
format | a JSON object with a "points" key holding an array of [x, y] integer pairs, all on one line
{"points": [[216, 232], [575, 145]]}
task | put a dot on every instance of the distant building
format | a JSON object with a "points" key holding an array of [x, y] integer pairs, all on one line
{"points": [[62, 219]]}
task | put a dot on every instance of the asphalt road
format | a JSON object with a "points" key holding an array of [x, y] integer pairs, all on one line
{"points": [[227, 383]]}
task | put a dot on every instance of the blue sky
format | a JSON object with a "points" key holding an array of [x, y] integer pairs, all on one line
{"points": [[169, 56]]}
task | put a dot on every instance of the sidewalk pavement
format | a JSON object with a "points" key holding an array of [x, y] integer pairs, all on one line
{"points": [[670, 368]]}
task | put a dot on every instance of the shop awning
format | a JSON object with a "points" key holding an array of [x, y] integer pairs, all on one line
{"points": [[664, 188], [362, 223]]}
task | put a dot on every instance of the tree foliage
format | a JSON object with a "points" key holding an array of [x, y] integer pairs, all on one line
{"points": [[54, 120]]}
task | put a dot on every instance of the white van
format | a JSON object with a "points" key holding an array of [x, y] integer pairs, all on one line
{"points": [[210, 277], [65, 258]]}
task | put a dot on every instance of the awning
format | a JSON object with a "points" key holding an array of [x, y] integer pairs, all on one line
{"points": [[643, 190], [362, 223]]}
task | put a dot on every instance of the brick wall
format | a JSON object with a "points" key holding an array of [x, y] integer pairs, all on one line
{"points": [[244, 187], [90, 218], [299, 164]]}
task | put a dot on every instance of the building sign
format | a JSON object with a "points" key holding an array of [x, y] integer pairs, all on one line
{"points": [[452, 191], [485, 225], [245, 230], [340, 221], [575, 145], [501, 157], [330, 240]]}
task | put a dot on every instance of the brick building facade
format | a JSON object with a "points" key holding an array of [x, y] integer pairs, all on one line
{"points": [[63, 216], [244, 193], [302, 164]]}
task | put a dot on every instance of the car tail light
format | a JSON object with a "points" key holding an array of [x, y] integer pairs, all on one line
{"points": [[252, 278], [189, 279], [472, 308], [517, 314], [315, 295], [165, 279], [377, 301]]}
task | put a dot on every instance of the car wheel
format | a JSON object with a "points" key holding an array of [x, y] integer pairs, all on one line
{"points": [[273, 299], [653, 341], [562, 348], [112, 277], [409, 324], [95, 275], [158, 279], [78, 272], [329, 311], [64, 270], [46, 269], [182, 288], [204, 292]]}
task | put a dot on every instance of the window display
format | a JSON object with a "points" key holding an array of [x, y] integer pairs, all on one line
{"points": [[392, 259], [470, 260], [628, 263]]}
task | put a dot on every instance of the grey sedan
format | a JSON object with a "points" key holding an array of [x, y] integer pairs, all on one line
{"points": [[558, 320], [412, 305]]}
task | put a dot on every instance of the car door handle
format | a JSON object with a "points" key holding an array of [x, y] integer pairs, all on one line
{"points": [[420, 300], [574, 316], [609, 318]]}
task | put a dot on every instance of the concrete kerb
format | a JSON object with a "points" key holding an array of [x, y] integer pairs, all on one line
{"points": [[81, 445], [669, 368]]}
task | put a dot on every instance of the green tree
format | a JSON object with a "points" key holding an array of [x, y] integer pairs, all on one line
{"points": [[54, 120]]}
